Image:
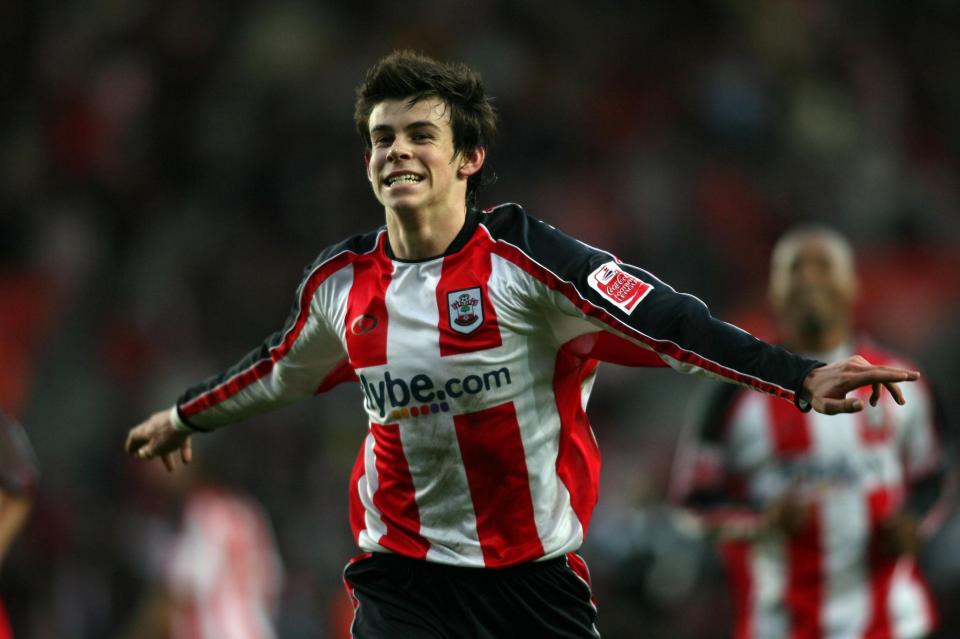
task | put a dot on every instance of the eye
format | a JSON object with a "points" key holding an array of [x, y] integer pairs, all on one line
{"points": [[421, 137], [382, 141]]}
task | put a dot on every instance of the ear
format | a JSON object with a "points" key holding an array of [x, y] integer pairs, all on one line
{"points": [[366, 164], [471, 161]]}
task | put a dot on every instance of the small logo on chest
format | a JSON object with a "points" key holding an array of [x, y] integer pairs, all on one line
{"points": [[363, 324], [465, 309]]}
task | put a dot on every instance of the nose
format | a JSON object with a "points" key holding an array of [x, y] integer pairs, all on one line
{"points": [[399, 150]]}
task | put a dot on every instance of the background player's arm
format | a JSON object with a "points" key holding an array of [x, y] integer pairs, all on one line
{"points": [[931, 481]]}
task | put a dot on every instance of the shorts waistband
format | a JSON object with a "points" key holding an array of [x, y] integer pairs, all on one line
{"points": [[423, 564]]}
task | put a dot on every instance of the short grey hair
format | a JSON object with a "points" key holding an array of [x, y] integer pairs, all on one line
{"points": [[785, 247]]}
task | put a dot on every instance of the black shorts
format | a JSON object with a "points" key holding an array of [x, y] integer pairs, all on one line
{"points": [[395, 597]]}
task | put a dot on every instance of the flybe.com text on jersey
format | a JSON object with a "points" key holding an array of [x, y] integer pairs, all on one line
{"points": [[396, 393]]}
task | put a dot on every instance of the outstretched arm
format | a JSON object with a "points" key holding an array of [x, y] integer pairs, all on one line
{"points": [[825, 388], [302, 359], [586, 283]]}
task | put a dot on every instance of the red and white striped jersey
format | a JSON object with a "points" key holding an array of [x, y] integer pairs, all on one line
{"points": [[475, 369], [225, 574], [832, 579]]}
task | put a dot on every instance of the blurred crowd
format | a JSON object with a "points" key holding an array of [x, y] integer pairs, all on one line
{"points": [[168, 169]]}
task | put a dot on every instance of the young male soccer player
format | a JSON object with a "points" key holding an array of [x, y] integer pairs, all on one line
{"points": [[475, 338], [819, 518]]}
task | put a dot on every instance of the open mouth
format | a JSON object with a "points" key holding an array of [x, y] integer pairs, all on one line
{"points": [[402, 178]]}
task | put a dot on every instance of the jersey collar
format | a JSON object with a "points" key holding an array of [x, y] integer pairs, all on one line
{"points": [[470, 223]]}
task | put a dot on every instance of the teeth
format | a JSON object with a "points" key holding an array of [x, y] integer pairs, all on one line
{"points": [[406, 178]]}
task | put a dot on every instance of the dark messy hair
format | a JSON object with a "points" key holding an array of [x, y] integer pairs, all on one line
{"points": [[412, 76]]}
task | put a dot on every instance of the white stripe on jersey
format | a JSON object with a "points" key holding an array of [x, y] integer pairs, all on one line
{"points": [[367, 487], [908, 604], [331, 299], [442, 494], [769, 618]]}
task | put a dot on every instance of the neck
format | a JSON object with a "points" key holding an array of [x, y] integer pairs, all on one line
{"points": [[824, 341], [423, 233]]}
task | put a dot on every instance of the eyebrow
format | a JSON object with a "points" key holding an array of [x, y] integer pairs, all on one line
{"points": [[419, 124]]}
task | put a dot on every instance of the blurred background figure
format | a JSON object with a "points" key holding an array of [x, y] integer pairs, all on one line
{"points": [[820, 518], [18, 477], [212, 565]]}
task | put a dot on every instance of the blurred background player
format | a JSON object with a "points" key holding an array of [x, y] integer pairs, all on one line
{"points": [[18, 476], [216, 573], [820, 518]]}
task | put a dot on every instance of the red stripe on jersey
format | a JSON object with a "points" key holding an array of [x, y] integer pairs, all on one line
{"points": [[736, 557], [789, 429], [496, 467], [881, 503], [395, 496], [357, 511], [805, 578], [261, 369], [579, 567], [341, 373], [462, 295], [608, 347], [515, 256], [578, 456], [366, 318]]}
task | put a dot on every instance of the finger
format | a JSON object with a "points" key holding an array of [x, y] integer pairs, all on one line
{"points": [[830, 406], [887, 374], [133, 442], [897, 393], [875, 395], [879, 375], [167, 461], [186, 451]]}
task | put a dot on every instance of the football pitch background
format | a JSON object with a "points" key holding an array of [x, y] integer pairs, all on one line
{"points": [[168, 169]]}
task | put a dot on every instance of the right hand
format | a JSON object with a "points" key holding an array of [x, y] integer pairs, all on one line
{"points": [[156, 437]]}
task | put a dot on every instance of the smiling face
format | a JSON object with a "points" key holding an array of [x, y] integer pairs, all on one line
{"points": [[412, 164]]}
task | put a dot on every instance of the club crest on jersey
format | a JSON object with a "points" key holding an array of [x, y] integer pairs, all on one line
{"points": [[465, 308], [618, 286]]}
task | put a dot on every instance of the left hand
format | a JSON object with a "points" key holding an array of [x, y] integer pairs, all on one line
{"points": [[826, 387]]}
